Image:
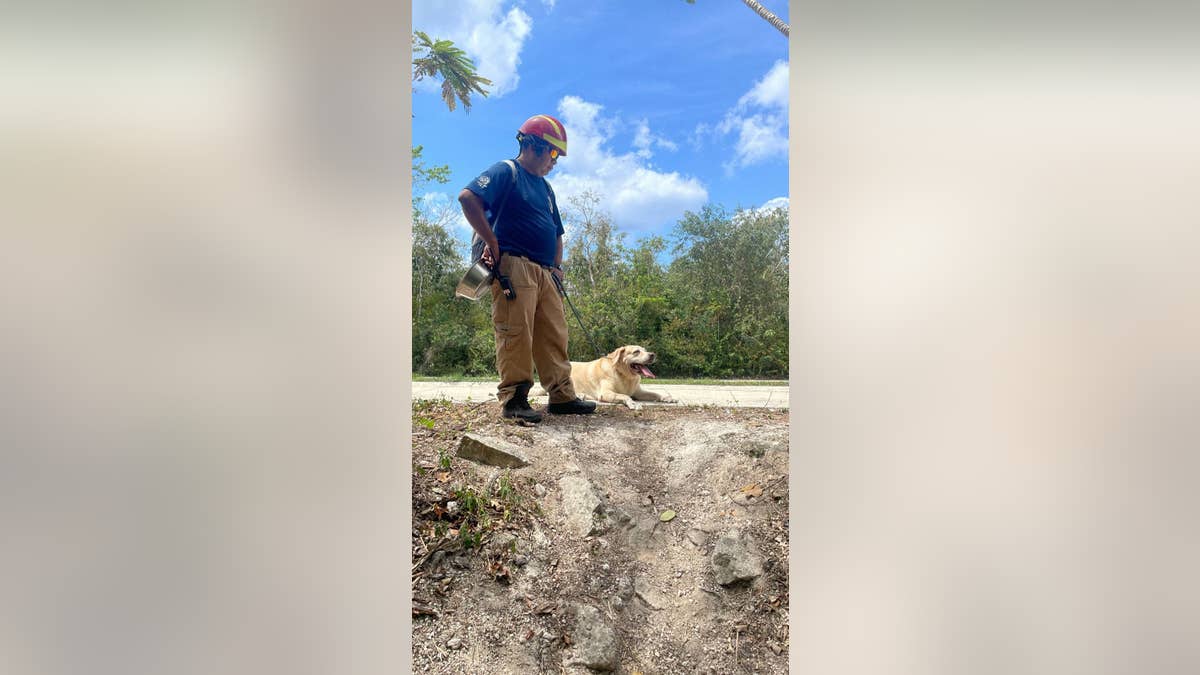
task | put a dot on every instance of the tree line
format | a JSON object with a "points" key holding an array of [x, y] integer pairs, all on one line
{"points": [[717, 308]]}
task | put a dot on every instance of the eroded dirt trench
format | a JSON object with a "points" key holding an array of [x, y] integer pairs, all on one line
{"points": [[617, 572]]}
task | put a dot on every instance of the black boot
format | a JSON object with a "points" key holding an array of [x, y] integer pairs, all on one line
{"points": [[518, 406], [576, 407]]}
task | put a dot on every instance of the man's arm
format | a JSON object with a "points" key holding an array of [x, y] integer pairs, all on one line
{"points": [[558, 260], [473, 210]]}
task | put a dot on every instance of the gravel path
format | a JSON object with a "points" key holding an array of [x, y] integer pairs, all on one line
{"points": [[738, 396]]}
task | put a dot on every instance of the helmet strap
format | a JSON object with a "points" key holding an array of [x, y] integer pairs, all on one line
{"points": [[540, 147]]}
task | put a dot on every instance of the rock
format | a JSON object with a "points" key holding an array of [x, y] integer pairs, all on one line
{"points": [[625, 588], [642, 536], [454, 643], [452, 507], [520, 560], [580, 506], [539, 490], [697, 536], [501, 543], [490, 488], [620, 518], [595, 641], [649, 594], [493, 451], [733, 562]]}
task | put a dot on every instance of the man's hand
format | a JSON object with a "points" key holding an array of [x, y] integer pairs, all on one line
{"points": [[487, 257]]}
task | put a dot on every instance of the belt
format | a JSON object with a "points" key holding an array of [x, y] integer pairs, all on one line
{"points": [[518, 255]]}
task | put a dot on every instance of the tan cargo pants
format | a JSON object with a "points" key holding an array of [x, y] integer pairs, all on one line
{"points": [[532, 329]]}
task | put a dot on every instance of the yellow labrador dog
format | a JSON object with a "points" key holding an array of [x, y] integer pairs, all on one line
{"points": [[617, 377]]}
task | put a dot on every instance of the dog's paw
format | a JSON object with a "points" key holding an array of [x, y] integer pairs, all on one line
{"points": [[666, 398], [633, 405]]}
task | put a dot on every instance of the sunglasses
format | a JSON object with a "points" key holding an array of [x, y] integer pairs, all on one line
{"points": [[544, 146]]}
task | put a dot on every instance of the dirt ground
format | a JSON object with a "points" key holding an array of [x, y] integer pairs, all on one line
{"points": [[500, 576]]}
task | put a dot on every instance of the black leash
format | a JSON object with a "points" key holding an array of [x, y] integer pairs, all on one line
{"points": [[563, 292]]}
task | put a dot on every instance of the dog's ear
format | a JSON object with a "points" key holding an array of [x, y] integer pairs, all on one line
{"points": [[617, 354]]}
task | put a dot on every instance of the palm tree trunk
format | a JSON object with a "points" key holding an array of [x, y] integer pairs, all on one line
{"points": [[770, 17]]}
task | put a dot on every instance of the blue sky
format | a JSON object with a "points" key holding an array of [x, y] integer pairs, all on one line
{"points": [[668, 106]]}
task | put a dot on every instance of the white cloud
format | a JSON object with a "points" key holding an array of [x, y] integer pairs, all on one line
{"points": [[778, 202], [759, 119], [643, 140], [636, 194], [549, 4], [492, 37], [760, 137], [772, 90], [768, 206]]}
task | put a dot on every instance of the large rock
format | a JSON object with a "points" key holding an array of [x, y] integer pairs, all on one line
{"points": [[595, 641], [493, 451], [581, 506], [732, 561]]}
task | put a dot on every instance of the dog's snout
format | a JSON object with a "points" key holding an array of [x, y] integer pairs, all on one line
{"points": [[653, 356]]}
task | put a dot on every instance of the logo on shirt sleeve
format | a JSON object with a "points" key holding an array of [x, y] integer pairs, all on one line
{"points": [[483, 181]]}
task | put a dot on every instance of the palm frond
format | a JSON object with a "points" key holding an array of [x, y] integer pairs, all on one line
{"points": [[440, 58]]}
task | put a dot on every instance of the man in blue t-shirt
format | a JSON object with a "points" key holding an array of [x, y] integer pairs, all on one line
{"points": [[531, 327]]}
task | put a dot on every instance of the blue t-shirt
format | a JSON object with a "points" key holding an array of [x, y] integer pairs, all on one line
{"points": [[529, 224]]}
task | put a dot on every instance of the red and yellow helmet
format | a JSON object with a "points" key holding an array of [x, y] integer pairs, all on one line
{"points": [[548, 129]]}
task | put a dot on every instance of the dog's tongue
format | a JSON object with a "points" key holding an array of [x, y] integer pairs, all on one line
{"points": [[643, 370]]}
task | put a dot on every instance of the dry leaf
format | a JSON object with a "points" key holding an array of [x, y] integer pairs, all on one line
{"points": [[443, 476], [752, 490], [498, 570]]}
